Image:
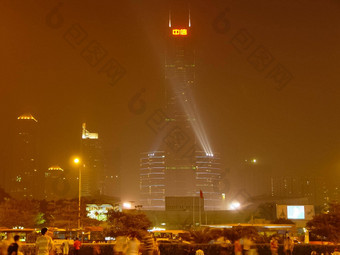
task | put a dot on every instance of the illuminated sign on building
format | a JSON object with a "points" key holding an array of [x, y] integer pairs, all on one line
{"points": [[180, 31], [295, 212], [98, 212]]}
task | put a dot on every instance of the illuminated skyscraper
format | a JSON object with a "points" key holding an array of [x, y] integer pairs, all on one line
{"points": [[152, 178], [172, 168], [24, 179], [92, 172], [208, 178]]}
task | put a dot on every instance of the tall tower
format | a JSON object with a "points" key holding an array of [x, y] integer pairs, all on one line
{"points": [[179, 82], [171, 169], [92, 171], [24, 177]]}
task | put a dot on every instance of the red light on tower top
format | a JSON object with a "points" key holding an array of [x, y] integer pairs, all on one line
{"points": [[180, 32]]}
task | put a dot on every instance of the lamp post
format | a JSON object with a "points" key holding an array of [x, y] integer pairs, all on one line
{"points": [[77, 162]]}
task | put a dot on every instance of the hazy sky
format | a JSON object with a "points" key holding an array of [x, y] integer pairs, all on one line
{"points": [[46, 70]]}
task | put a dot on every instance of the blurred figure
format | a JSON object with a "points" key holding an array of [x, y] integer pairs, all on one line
{"points": [[336, 252], [96, 248], [77, 245], [58, 250], [5, 243], [156, 250], [224, 243], [44, 243], [65, 246], [133, 245], [274, 246], [14, 247], [288, 246], [238, 247], [253, 249], [199, 252], [246, 245], [149, 245], [121, 245]]}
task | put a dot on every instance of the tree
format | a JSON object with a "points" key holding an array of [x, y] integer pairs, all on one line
{"points": [[327, 225], [203, 235], [282, 221], [124, 223], [238, 232], [3, 195], [266, 211], [24, 213], [63, 213]]}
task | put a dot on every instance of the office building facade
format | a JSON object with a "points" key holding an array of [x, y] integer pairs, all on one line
{"points": [[92, 167], [25, 176]]}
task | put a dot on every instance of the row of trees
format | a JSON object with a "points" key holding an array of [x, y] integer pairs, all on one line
{"points": [[64, 214]]}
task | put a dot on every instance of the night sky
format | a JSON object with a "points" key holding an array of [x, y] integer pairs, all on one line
{"points": [[290, 129]]}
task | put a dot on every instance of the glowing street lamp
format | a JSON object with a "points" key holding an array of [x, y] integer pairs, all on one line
{"points": [[76, 161]]}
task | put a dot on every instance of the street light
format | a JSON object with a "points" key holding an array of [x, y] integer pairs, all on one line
{"points": [[77, 162]]}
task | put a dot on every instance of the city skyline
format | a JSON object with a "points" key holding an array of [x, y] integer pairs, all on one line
{"points": [[291, 130]]}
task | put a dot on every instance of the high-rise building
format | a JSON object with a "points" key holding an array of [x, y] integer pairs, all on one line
{"points": [[208, 178], [175, 167], [316, 189], [24, 179], [152, 179], [55, 182], [92, 172]]}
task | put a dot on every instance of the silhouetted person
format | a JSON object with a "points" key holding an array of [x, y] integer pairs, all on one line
{"points": [[13, 247], [274, 246], [288, 246], [44, 243], [76, 246], [65, 246]]}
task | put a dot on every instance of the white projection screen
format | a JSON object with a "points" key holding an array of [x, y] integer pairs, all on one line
{"points": [[296, 212]]}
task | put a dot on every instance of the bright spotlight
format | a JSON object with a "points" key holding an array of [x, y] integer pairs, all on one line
{"points": [[254, 160], [127, 205], [234, 205]]}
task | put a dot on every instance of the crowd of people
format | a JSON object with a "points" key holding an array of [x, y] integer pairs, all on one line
{"points": [[44, 245], [131, 245]]}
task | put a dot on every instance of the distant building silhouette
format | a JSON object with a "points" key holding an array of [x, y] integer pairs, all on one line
{"points": [[56, 185], [317, 190], [23, 181]]}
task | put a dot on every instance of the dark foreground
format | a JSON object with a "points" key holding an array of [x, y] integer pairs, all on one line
{"points": [[190, 249]]}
